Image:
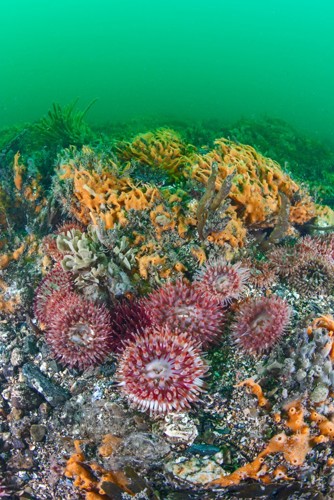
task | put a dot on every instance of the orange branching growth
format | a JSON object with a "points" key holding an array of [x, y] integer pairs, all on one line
{"points": [[145, 261], [162, 220], [7, 258], [256, 389], [29, 245], [105, 197], [199, 253], [295, 420], [294, 447], [30, 192], [257, 183], [281, 473], [303, 211], [326, 321], [161, 149], [90, 478], [7, 306], [18, 171], [109, 444], [254, 470], [325, 426]]}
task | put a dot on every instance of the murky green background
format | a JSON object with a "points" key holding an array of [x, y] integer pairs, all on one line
{"points": [[175, 58]]}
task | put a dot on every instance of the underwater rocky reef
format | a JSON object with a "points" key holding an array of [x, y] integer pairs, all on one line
{"points": [[166, 315]]}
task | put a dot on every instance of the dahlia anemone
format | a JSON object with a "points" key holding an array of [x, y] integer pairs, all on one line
{"points": [[221, 280], [79, 332], [313, 274], [128, 318], [161, 371], [49, 241], [322, 245], [261, 274], [260, 323], [283, 259], [55, 281], [49, 245], [185, 308], [68, 226]]}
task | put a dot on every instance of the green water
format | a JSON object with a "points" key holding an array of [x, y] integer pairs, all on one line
{"points": [[184, 59]]}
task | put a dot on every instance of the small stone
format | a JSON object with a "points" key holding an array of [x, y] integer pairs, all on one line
{"points": [[5, 436], [17, 357], [15, 415], [37, 432], [179, 428], [18, 444], [21, 461], [53, 393], [196, 470], [44, 409], [30, 345], [6, 394], [8, 371], [24, 398], [319, 394]]}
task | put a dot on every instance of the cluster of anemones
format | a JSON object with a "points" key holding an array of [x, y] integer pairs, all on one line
{"points": [[161, 369], [159, 339], [308, 266]]}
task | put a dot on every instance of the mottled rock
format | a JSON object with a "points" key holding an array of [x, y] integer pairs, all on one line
{"points": [[179, 428], [196, 470], [8, 371], [24, 398], [21, 461], [37, 432], [141, 449], [18, 444], [319, 393], [44, 409], [15, 415], [53, 393], [17, 357], [30, 345]]}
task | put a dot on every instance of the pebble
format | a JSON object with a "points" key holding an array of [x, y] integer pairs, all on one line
{"points": [[30, 345], [17, 357], [180, 429], [53, 393], [196, 470], [37, 432], [44, 409], [24, 398], [15, 415], [21, 462]]}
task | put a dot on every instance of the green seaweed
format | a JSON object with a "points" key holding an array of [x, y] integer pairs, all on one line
{"points": [[65, 126]]}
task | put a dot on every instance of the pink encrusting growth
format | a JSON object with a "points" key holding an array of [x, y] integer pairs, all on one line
{"points": [[79, 332], [221, 280], [183, 307], [260, 323], [161, 371]]}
